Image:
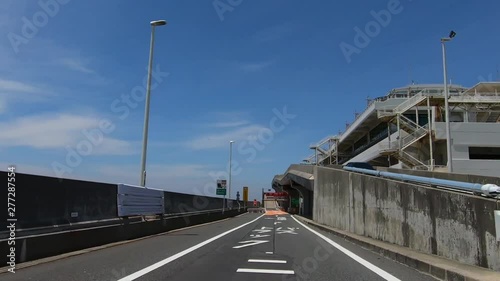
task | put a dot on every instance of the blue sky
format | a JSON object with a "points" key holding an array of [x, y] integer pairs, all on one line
{"points": [[222, 72]]}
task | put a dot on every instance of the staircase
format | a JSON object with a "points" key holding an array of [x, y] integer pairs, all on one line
{"points": [[493, 117], [402, 107], [408, 159], [409, 103], [415, 131]]}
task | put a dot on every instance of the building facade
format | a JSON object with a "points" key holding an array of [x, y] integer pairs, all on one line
{"points": [[406, 129]]}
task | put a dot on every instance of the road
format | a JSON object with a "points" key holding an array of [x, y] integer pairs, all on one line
{"points": [[270, 247]]}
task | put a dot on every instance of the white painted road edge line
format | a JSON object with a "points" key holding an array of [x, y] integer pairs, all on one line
{"points": [[268, 261], [377, 270], [161, 263], [274, 271]]}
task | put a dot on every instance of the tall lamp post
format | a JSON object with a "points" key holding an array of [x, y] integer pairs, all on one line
{"points": [[446, 97], [230, 166], [148, 98]]}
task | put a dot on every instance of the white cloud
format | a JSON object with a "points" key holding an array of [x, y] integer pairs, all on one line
{"points": [[15, 86], [158, 170], [3, 105], [222, 139], [253, 67], [76, 64], [57, 131], [182, 178], [28, 169], [16, 91], [230, 124]]}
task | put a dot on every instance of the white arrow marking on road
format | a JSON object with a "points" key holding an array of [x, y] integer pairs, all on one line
{"points": [[258, 235], [250, 243], [291, 230]]}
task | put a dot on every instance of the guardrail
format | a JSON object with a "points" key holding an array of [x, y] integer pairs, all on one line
{"points": [[488, 190]]}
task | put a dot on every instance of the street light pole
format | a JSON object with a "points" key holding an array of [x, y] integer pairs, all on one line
{"points": [[230, 166], [148, 98], [447, 108]]}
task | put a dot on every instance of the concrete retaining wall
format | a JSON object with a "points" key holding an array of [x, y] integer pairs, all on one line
{"points": [[452, 225]]}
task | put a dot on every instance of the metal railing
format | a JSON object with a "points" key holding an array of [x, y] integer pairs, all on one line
{"points": [[489, 190], [409, 103], [413, 137]]}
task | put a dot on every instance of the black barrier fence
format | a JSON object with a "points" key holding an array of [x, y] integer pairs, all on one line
{"points": [[42, 201], [47, 201]]}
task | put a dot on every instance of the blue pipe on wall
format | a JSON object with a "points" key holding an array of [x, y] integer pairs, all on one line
{"points": [[490, 190]]}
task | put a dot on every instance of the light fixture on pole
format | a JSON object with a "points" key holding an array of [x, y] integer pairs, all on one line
{"points": [[446, 97], [148, 98], [230, 166]]}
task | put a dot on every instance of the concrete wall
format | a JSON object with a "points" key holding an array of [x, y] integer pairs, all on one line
{"points": [[465, 135], [448, 224]]}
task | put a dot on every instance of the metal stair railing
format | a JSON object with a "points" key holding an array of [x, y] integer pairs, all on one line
{"points": [[414, 137], [414, 162], [411, 102]]}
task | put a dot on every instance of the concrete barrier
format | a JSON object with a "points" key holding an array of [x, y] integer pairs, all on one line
{"points": [[453, 225], [50, 244]]}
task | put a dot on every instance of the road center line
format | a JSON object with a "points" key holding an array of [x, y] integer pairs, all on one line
{"points": [[161, 263], [377, 270], [267, 261]]}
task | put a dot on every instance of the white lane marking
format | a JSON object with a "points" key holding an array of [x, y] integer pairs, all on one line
{"points": [[250, 243], [272, 271], [259, 236], [161, 263], [377, 270], [269, 253], [267, 261]]}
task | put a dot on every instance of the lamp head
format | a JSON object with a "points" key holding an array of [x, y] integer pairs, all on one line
{"points": [[158, 22]]}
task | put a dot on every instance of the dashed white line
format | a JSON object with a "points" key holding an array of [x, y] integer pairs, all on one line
{"points": [[269, 253], [170, 259], [267, 261], [272, 271]]}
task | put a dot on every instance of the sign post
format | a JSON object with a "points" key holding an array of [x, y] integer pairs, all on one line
{"points": [[245, 196], [221, 190]]}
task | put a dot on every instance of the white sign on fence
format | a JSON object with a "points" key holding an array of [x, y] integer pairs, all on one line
{"points": [[137, 201]]}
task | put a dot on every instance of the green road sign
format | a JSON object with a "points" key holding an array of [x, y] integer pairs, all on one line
{"points": [[221, 191]]}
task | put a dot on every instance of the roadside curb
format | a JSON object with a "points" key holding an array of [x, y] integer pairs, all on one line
{"points": [[435, 266]]}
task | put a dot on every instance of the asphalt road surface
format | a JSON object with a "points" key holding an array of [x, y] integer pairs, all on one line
{"points": [[274, 246]]}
